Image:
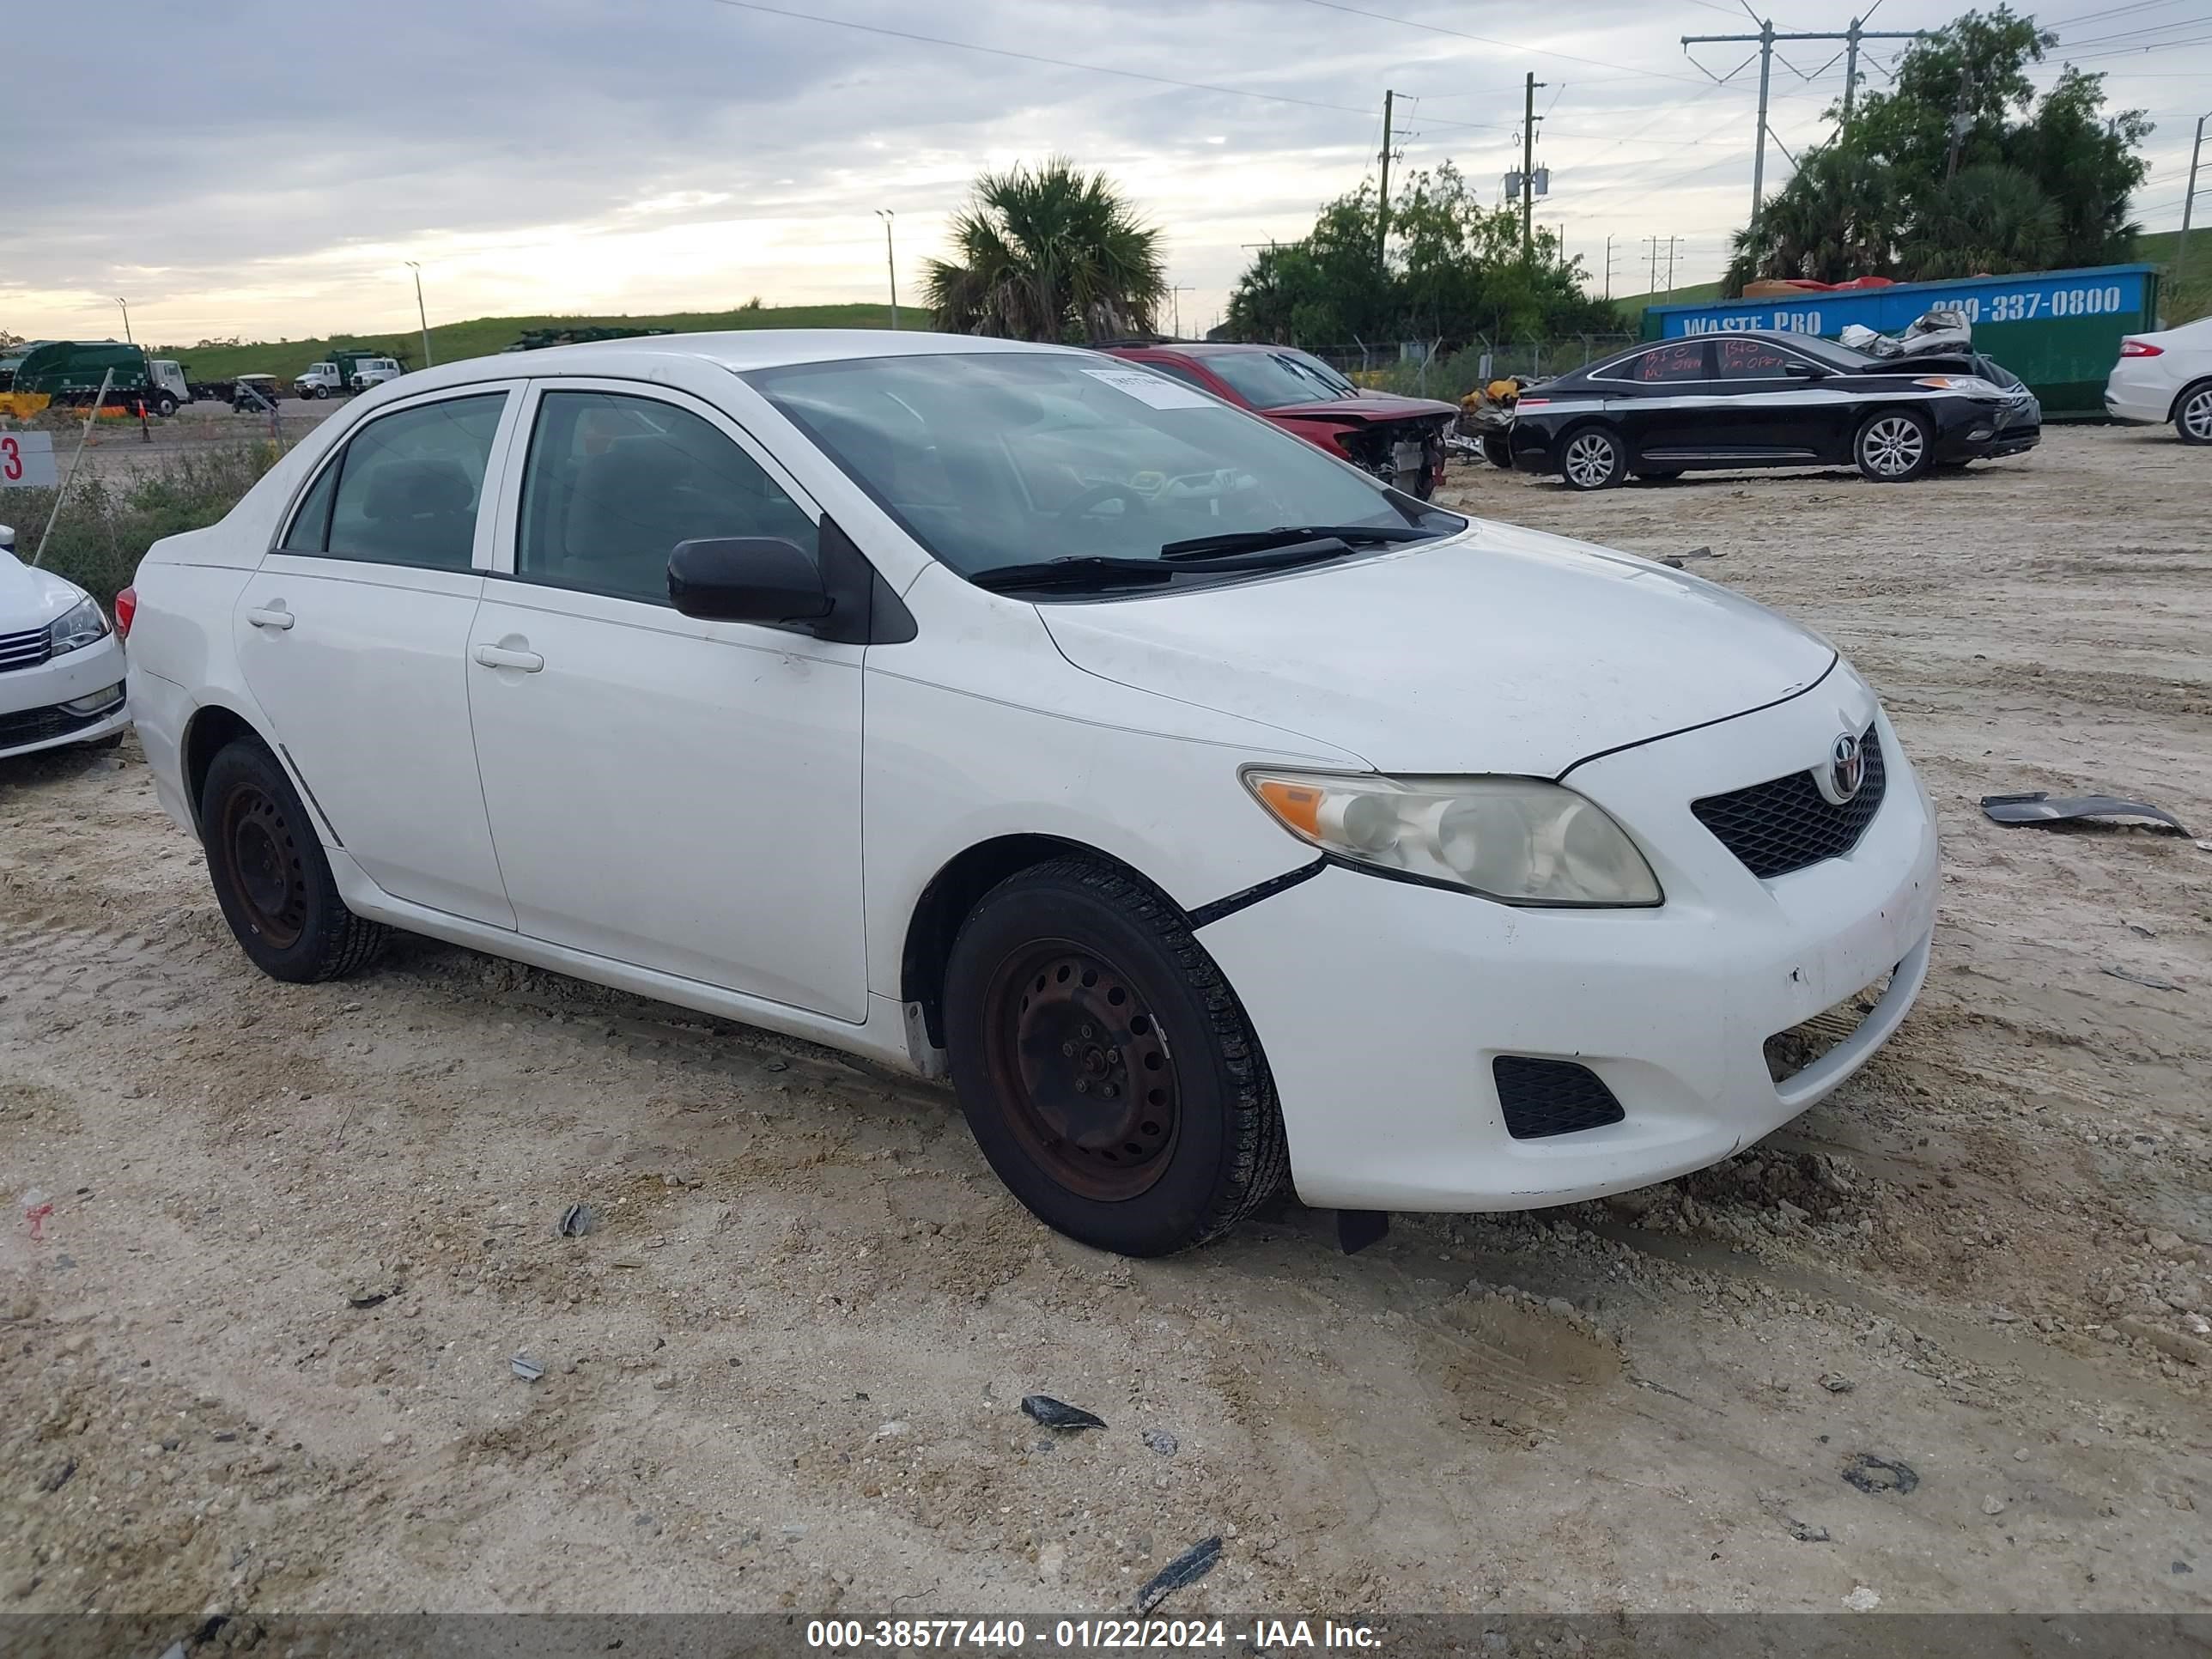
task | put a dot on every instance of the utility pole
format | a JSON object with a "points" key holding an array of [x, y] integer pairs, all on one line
{"points": [[1174, 304], [1851, 37], [2188, 203], [421, 315], [1961, 119], [1671, 241], [1654, 243], [1765, 41], [1383, 207], [1608, 267], [890, 262], [1529, 169], [126, 304]]}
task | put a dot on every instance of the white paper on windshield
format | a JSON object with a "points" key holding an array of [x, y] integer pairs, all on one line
{"points": [[1148, 387]]}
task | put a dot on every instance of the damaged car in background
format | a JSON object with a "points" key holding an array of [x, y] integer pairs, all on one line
{"points": [[1768, 399], [1400, 440]]}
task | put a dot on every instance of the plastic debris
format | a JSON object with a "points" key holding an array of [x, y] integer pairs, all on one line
{"points": [[525, 1368], [1881, 1474], [2041, 808], [577, 1220], [1059, 1414], [37, 1206], [1192, 1565], [2134, 978]]}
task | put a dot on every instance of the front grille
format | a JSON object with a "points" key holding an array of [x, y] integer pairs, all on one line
{"points": [[40, 725], [25, 650], [1785, 823], [1544, 1098]]}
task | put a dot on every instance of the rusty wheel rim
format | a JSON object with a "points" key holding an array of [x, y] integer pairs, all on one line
{"points": [[261, 855], [1078, 1059]]}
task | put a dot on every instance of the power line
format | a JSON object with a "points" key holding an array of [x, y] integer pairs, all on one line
{"points": [[1490, 40], [2109, 11]]}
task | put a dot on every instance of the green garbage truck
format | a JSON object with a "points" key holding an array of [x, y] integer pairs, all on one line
{"points": [[70, 372]]}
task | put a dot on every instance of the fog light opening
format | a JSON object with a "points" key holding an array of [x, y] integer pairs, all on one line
{"points": [[99, 702]]}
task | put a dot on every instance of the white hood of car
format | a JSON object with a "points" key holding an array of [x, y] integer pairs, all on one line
{"points": [[31, 599], [1500, 650]]}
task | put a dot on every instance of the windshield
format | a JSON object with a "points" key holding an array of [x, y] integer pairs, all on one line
{"points": [[1003, 458], [1271, 380]]}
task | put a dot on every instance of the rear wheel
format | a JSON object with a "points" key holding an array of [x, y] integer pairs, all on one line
{"points": [[2192, 415], [269, 874], [1497, 450], [1593, 457], [1894, 446], [1104, 1066]]}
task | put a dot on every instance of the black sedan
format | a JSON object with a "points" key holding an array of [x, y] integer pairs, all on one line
{"points": [[1771, 399]]}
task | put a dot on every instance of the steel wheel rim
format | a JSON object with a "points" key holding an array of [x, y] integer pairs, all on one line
{"points": [[1078, 1059], [261, 858], [1894, 445], [1589, 460], [2197, 415]]}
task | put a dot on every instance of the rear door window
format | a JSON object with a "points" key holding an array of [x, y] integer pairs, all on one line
{"points": [[406, 489], [1666, 365], [614, 482]]}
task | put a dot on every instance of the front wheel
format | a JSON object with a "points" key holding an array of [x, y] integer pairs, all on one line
{"points": [[1497, 450], [1593, 459], [1104, 1066], [269, 874], [321, 393], [165, 406], [1893, 446], [2192, 416]]}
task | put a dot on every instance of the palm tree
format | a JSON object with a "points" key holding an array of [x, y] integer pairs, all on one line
{"points": [[1837, 218], [1983, 221], [1048, 253]]}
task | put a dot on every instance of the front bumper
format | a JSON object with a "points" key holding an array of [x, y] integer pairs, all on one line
{"points": [[1381, 1005], [32, 716]]}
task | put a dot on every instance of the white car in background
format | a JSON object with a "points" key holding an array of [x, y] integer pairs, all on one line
{"points": [[61, 664], [1202, 805], [2166, 376]]}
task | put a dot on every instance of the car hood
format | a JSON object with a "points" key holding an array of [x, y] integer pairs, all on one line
{"points": [[31, 599], [1498, 650], [1365, 411]]}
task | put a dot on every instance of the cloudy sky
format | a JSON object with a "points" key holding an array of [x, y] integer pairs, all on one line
{"points": [[262, 167]]}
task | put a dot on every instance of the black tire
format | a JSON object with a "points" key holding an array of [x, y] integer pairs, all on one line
{"points": [[1105, 1068], [165, 405], [269, 874], [1593, 457], [2192, 414], [321, 393], [1894, 446], [1497, 450]]}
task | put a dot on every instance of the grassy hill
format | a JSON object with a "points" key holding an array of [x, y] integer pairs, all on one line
{"points": [[451, 342], [2157, 248]]}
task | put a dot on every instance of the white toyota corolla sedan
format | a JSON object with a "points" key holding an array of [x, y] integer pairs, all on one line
{"points": [[1202, 806], [61, 664]]}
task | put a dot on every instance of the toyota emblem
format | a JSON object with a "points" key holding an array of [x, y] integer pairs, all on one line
{"points": [[1846, 769]]}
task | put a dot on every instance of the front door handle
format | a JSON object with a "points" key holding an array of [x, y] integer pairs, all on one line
{"points": [[277, 618], [499, 656]]}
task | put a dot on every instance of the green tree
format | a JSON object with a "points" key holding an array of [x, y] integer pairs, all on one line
{"points": [[1453, 270], [1959, 168], [1047, 254]]}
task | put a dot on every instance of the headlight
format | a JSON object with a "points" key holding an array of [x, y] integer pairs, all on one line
{"points": [[1519, 840], [1973, 386], [81, 625]]}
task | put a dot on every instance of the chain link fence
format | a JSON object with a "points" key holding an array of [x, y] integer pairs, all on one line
{"points": [[1421, 368]]}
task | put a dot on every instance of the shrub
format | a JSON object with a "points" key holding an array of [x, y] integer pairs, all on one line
{"points": [[106, 526]]}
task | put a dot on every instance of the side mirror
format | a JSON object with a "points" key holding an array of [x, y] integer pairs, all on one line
{"points": [[754, 579], [1800, 371]]}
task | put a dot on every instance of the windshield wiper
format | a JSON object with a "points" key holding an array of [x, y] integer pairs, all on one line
{"points": [[1255, 541], [1084, 571]]}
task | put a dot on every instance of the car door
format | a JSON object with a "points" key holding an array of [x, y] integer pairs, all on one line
{"points": [[1660, 400], [353, 636], [1773, 403], [672, 793]]}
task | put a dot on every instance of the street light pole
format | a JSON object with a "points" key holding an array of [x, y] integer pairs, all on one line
{"points": [[890, 260], [126, 304], [421, 315]]}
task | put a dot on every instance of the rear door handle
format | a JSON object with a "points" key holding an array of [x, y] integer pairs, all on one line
{"points": [[498, 656], [266, 618]]}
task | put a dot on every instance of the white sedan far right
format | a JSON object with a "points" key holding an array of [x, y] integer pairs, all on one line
{"points": [[2166, 376]]}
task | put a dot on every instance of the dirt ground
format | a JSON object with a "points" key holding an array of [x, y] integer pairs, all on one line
{"points": [[259, 1354]]}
